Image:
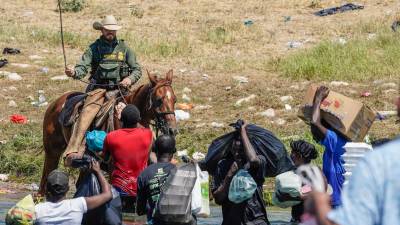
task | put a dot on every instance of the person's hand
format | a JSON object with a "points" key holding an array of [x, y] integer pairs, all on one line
{"points": [[126, 82], [322, 93], [119, 109], [232, 171], [70, 157], [70, 71], [95, 166]]}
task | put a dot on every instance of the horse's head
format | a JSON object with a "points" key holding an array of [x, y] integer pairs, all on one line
{"points": [[161, 102]]}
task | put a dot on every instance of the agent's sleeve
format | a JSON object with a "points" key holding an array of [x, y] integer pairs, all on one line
{"points": [[134, 65], [84, 64], [361, 197]]}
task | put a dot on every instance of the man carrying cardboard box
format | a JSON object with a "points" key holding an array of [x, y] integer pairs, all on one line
{"points": [[333, 142]]}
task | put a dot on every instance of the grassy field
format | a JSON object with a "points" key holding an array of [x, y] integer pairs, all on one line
{"points": [[206, 44]]}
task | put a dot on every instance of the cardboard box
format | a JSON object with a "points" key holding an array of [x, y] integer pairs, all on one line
{"points": [[351, 118]]}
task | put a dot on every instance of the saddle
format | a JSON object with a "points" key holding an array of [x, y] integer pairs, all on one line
{"points": [[104, 119]]}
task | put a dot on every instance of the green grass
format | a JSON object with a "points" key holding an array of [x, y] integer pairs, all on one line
{"points": [[359, 59], [22, 156]]}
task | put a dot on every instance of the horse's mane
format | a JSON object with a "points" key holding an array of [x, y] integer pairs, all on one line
{"points": [[141, 93]]}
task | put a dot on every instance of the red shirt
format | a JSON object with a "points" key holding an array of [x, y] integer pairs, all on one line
{"points": [[129, 149]]}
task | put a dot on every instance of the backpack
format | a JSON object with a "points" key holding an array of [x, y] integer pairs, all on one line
{"points": [[174, 203]]}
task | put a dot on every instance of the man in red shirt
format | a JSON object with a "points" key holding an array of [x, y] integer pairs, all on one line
{"points": [[129, 148]]}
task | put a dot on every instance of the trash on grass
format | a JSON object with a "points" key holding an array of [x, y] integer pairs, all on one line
{"points": [[33, 187], [280, 121], [241, 79], [247, 99], [341, 41], [287, 19], [186, 90], [186, 98], [4, 177], [61, 77], [202, 107], [45, 70], [217, 125], [17, 118], [228, 88], [268, 113], [182, 153], [198, 156], [366, 94], [248, 22], [294, 44], [340, 9], [3, 62], [181, 115], [288, 107], [11, 51], [184, 106], [205, 76], [41, 100], [286, 98], [12, 103]]}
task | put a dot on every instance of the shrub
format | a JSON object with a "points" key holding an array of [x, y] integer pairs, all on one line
{"points": [[73, 5]]}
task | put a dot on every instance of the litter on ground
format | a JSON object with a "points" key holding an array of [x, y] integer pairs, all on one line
{"points": [[247, 99], [340, 9], [241, 79], [181, 115]]}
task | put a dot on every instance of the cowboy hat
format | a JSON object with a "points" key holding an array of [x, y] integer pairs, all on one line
{"points": [[109, 23]]}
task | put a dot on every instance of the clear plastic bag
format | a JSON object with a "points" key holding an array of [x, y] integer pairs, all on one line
{"points": [[242, 187]]}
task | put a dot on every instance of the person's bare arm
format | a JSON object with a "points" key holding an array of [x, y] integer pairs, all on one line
{"points": [[319, 205], [221, 194], [105, 196], [317, 129], [249, 151]]}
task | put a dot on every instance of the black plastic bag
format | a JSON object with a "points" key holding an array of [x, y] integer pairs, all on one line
{"points": [[264, 142], [108, 214]]}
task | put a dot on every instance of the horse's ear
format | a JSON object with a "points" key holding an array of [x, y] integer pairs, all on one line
{"points": [[170, 74], [152, 78]]}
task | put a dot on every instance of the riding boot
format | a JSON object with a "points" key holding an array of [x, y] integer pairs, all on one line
{"points": [[91, 107]]}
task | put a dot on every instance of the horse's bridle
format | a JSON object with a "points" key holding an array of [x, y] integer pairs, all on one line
{"points": [[155, 104]]}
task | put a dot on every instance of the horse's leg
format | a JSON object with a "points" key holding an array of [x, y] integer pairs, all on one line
{"points": [[53, 139]]}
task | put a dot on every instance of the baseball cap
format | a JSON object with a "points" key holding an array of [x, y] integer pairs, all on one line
{"points": [[58, 182]]}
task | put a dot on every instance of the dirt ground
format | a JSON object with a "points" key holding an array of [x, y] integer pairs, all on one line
{"points": [[186, 36]]}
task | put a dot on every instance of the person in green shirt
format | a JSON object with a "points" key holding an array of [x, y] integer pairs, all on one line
{"points": [[112, 64]]}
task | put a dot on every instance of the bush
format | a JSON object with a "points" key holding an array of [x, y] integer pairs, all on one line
{"points": [[73, 5]]}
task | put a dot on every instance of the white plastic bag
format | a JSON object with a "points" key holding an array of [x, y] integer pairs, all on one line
{"points": [[286, 183], [200, 194]]}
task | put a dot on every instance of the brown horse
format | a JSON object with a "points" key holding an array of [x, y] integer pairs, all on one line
{"points": [[155, 100]]}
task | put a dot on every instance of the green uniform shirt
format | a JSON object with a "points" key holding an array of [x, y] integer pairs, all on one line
{"points": [[100, 49]]}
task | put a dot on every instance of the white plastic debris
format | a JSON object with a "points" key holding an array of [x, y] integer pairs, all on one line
{"points": [[198, 156], [181, 115], [41, 100], [241, 79], [371, 36], [217, 125], [21, 65], [4, 177], [286, 98], [33, 187], [339, 83], [186, 90], [280, 122], [12, 103], [288, 107], [228, 88], [30, 97], [35, 57], [186, 98], [294, 44], [45, 70], [3, 142], [183, 70], [268, 113], [61, 77], [247, 99], [342, 41], [202, 107], [14, 76], [182, 153], [205, 76]]}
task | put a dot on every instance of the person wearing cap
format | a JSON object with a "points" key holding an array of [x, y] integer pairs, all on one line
{"points": [[129, 149], [59, 210], [111, 64]]}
